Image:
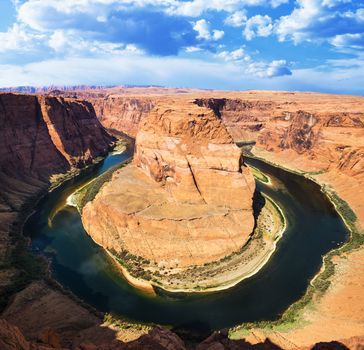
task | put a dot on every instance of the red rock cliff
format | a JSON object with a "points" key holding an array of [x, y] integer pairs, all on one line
{"points": [[40, 137], [123, 113]]}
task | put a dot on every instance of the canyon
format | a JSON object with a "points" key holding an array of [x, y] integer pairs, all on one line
{"points": [[317, 135]]}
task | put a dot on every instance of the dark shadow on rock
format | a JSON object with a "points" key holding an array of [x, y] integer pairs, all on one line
{"points": [[334, 345], [258, 205], [193, 333], [221, 341]]}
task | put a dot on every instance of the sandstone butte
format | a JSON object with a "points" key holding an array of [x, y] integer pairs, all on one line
{"points": [[187, 197]]}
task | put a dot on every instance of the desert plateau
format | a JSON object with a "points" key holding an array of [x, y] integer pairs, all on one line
{"points": [[181, 175]]}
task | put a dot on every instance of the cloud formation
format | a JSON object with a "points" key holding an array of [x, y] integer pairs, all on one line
{"points": [[258, 26], [202, 27], [317, 21], [269, 42]]}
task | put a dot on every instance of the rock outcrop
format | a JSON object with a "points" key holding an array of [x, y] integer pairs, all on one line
{"points": [[322, 136], [123, 113], [187, 197], [41, 138], [11, 338]]}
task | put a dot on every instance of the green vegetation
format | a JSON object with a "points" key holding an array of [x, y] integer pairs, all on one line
{"points": [[342, 207], [89, 191], [28, 266], [259, 175], [134, 264], [313, 172], [126, 324]]}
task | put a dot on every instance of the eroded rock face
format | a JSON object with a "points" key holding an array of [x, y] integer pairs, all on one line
{"points": [[123, 113], [185, 200], [192, 155], [40, 137]]}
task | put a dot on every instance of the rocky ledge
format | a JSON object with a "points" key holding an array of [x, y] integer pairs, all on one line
{"points": [[186, 200]]}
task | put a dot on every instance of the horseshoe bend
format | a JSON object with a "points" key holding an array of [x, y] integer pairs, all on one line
{"points": [[181, 212], [201, 202]]}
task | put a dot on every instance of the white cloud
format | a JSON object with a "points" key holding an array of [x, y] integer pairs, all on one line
{"points": [[277, 3], [237, 19], [217, 34], [314, 20], [347, 78], [70, 42], [17, 38], [166, 71], [31, 11], [259, 69], [203, 30], [202, 27], [195, 8], [357, 16], [269, 70], [190, 49], [258, 26], [235, 55], [294, 24], [353, 41], [333, 3], [58, 40]]}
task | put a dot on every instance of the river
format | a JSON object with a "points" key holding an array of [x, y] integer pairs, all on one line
{"points": [[313, 229]]}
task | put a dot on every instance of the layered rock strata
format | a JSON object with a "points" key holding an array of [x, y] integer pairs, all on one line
{"points": [[42, 138], [123, 113], [318, 134], [185, 200]]}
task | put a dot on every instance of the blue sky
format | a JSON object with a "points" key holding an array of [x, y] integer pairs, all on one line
{"points": [[307, 45]]}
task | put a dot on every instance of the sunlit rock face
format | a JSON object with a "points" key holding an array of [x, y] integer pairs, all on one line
{"points": [[187, 197]]}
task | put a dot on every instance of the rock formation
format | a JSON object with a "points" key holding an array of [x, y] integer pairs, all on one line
{"points": [[315, 133], [40, 137], [123, 113], [43, 136], [322, 136], [187, 197]]}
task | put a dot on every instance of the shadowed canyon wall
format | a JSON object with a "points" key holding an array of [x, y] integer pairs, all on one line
{"points": [[41, 138]]}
